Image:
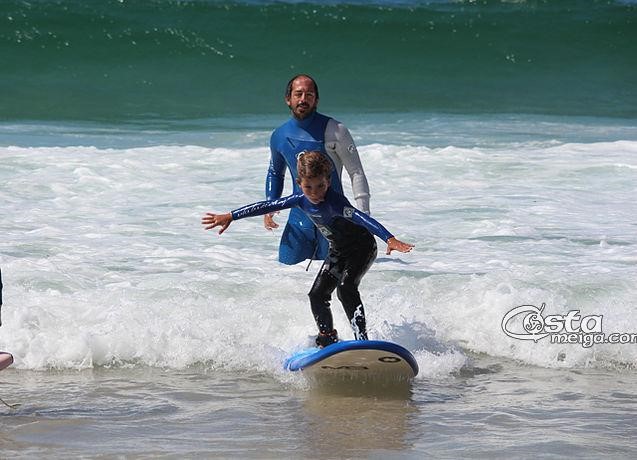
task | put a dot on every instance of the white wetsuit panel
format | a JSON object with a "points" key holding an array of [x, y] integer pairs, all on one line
{"points": [[340, 146]]}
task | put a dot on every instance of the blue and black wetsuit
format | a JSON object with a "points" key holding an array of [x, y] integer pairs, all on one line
{"points": [[300, 239], [352, 250]]}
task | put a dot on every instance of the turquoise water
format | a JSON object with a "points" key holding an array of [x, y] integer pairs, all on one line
{"points": [[125, 60]]}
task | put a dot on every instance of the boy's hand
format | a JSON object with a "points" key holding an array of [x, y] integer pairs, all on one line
{"points": [[216, 220], [398, 245]]}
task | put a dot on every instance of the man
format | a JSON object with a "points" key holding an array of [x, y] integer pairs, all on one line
{"points": [[309, 130]]}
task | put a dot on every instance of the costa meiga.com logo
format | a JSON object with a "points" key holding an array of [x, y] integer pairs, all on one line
{"points": [[528, 322]]}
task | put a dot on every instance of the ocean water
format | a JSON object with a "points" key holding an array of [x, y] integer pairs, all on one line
{"points": [[187, 59], [138, 334]]}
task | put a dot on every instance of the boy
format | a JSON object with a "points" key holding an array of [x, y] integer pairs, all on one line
{"points": [[350, 232]]}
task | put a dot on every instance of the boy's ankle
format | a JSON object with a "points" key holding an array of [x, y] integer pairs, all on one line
{"points": [[324, 339]]}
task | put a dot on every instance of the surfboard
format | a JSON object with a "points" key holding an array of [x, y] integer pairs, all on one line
{"points": [[6, 359], [363, 361]]}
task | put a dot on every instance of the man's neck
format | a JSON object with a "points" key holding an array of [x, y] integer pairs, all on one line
{"points": [[304, 121]]}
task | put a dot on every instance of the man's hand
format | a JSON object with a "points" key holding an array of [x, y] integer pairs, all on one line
{"points": [[268, 221]]}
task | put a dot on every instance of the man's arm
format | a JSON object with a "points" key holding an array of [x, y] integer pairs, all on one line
{"points": [[276, 173], [274, 181], [339, 143]]}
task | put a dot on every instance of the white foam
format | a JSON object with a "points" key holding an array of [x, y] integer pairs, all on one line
{"points": [[105, 263]]}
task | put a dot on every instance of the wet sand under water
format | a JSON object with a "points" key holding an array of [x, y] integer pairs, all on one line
{"points": [[492, 409]]}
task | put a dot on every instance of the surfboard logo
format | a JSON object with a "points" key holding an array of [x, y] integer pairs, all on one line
{"points": [[346, 368], [389, 359]]}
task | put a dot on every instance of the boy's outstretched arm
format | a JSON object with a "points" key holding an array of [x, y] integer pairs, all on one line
{"points": [[394, 244], [259, 208], [211, 221]]}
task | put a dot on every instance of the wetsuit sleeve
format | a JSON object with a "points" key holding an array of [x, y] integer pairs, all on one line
{"points": [[265, 207], [371, 224], [344, 148], [276, 172], [359, 217]]}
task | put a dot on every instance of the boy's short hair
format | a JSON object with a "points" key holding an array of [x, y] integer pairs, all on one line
{"points": [[311, 164]]}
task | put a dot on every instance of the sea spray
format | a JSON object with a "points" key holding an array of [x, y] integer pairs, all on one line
{"points": [[104, 261]]}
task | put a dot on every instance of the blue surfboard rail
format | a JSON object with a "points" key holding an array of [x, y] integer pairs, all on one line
{"points": [[306, 358]]}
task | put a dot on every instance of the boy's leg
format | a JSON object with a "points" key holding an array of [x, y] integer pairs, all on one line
{"points": [[320, 297], [347, 290]]}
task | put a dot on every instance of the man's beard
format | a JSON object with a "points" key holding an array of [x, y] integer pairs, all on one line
{"points": [[308, 111]]}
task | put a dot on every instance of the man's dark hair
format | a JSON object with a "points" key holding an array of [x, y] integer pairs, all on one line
{"points": [[288, 88]]}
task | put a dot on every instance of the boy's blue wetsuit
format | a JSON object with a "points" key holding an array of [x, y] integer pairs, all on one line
{"points": [[300, 239], [352, 250]]}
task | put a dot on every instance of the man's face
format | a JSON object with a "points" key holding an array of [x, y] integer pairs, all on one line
{"points": [[302, 101]]}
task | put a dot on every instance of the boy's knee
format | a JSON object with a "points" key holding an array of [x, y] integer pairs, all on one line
{"points": [[348, 294], [319, 298]]}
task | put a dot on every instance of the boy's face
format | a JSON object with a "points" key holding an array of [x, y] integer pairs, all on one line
{"points": [[315, 188]]}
